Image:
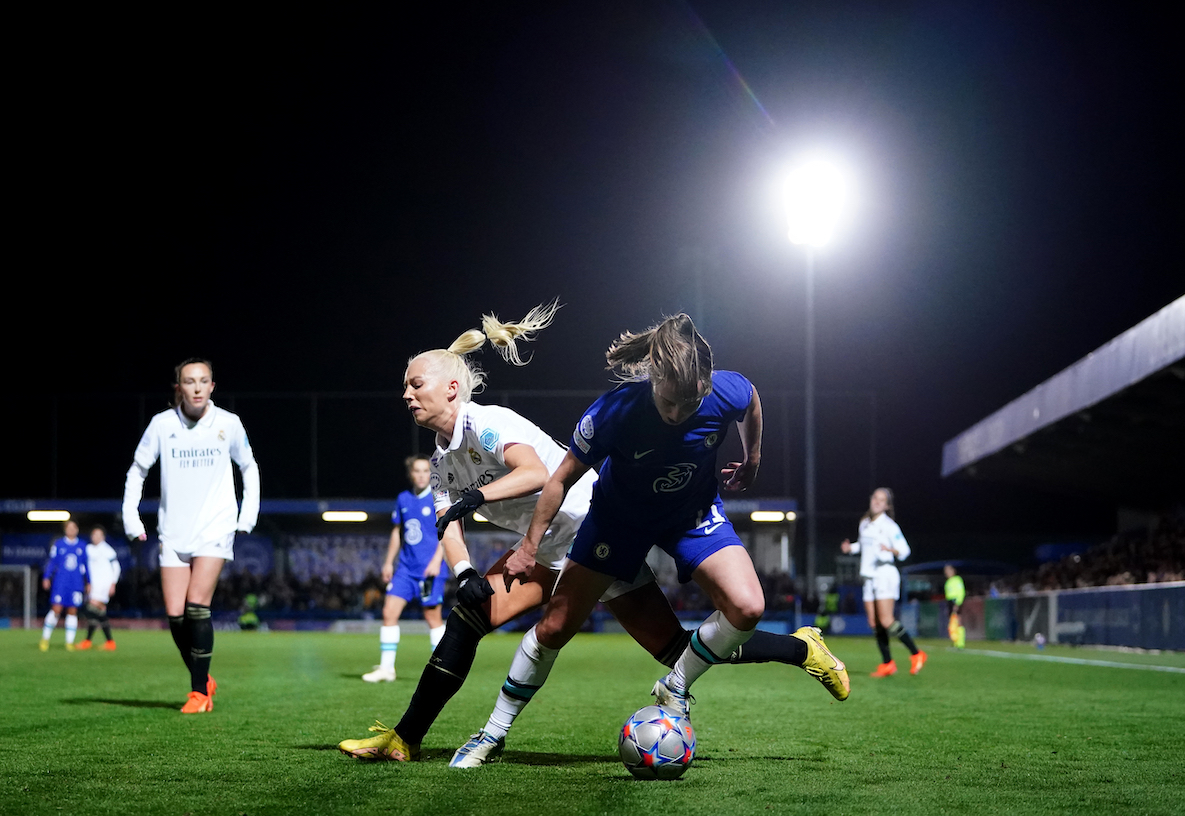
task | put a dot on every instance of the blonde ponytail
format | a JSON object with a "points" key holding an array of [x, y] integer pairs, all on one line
{"points": [[455, 364]]}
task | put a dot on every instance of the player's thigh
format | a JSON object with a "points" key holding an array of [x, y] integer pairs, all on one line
{"points": [[393, 608], [506, 605], [728, 577], [203, 579], [174, 585], [646, 615], [870, 611], [576, 593]]}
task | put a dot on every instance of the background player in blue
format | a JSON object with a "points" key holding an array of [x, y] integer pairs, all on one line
{"points": [[65, 577], [418, 574], [658, 435]]}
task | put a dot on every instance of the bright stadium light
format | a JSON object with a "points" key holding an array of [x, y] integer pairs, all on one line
{"points": [[817, 198], [344, 515], [48, 515], [767, 515]]}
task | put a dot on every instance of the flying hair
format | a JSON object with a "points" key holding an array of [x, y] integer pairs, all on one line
{"points": [[671, 351], [453, 362]]}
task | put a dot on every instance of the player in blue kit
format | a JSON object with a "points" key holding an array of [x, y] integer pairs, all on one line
{"points": [[491, 458], [418, 575], [657, 435], [65, 577]]}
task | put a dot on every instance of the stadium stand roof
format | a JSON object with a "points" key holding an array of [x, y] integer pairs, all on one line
{"points": [[1112, 425]]}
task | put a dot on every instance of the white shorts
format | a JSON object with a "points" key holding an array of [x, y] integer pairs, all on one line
{"points": [[551, 556], [223, 548], [885, 583], [101, 595]]}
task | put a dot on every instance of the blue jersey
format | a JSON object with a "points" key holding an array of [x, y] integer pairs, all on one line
{"points": [[416, 518], [659, 476], [66, 569]]}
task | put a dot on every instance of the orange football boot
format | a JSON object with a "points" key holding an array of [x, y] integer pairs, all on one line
{"points": [[885, 669], [916, 662], [197, 703]]}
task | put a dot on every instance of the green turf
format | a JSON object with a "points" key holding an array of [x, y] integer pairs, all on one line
{"points": [[99, 733]]}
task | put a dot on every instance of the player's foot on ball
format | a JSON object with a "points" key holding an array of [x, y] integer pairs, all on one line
{"points": [[70, 647], [43, 645], [379, 675], [84, 645], [916, 662], [822, 665], [197, 703], [668, 696], [885, 669], [109, 646], [481, 749], [387, 745]]}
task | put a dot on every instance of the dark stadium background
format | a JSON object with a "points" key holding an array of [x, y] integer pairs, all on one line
{"points": [[309, 197]]}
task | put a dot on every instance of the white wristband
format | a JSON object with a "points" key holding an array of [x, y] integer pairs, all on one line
{"points": [[461, 566]]}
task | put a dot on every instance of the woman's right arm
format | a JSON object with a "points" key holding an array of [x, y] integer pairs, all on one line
{"points": [[522, 561]]}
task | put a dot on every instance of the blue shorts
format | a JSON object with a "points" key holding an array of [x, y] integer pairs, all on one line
{"points": [[67, 591], [404, 585], [613, 547]]}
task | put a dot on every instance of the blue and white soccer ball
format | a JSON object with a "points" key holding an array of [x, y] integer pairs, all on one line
{"points": [[656, 743]]}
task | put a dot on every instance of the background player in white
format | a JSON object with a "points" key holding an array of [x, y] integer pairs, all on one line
{"points": [[492, 458], [418, 575], [103, 566], [196, 442], [65, 577], [880, 546]]}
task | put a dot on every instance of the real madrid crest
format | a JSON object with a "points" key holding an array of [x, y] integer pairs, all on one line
{"points": [[475, 456]]}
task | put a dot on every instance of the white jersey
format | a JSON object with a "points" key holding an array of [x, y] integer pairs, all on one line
{"points": [[475, 457], [197, 486], [103, 566], [878, 538]]}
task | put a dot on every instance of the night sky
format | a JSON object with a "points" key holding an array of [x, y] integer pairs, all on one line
{"points": [[308, 198]]}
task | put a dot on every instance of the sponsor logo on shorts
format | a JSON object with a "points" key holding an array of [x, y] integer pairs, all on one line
{"points": [[677, 477], [601, 551], [489, 439], [586, 427], [475, 456]]}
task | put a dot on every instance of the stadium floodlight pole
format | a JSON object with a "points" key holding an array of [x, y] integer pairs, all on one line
{"points": [[815, 194]]}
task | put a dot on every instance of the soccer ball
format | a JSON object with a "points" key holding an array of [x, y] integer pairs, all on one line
{"points": [[656, 743]]}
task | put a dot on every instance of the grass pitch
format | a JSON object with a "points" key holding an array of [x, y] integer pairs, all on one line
{"points": [[100, 733]]}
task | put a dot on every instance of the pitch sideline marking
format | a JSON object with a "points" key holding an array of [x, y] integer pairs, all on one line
{"points": [[1080, 661]]}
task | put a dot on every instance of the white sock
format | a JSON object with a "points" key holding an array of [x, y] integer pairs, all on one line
{"points": [[528, 672], [71, 627], [435, 635], [712, 643], [51, 620], [388, 646]]}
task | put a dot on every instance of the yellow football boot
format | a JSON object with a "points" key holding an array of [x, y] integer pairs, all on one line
{"points": [[822, 665], [386, 746]]}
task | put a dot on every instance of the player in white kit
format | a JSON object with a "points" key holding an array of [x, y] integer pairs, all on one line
{"points": [[491, 457], [196, 442], [104, 569], [880, 545]]}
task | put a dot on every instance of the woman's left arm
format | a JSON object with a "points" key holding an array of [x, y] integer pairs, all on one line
{"points": [[740, 475]]}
